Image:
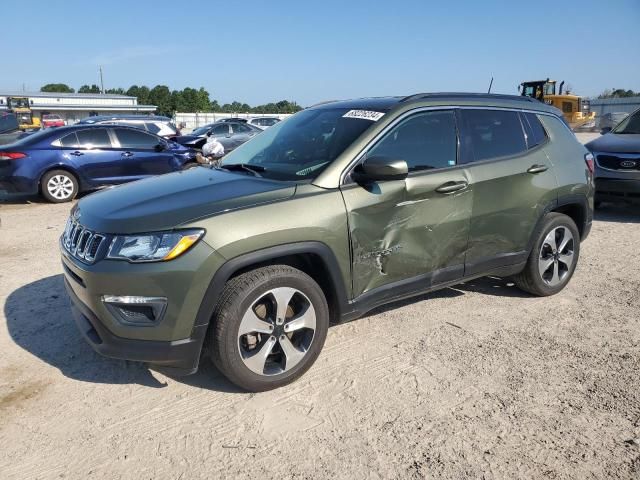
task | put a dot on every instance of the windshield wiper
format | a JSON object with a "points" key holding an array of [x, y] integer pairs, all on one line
{"points": [[254, 169]]}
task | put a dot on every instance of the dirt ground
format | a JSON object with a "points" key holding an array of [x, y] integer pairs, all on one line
{"points": [[476, 381]]}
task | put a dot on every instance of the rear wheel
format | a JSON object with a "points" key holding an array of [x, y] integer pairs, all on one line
{"points": [[269, 327], [553, 257], [59, 186]]}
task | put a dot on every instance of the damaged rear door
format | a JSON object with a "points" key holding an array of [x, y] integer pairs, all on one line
{"points": [[415, 229]]}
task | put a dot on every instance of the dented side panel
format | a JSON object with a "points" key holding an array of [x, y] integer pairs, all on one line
{"points": [[402, 229], [508, 201]]}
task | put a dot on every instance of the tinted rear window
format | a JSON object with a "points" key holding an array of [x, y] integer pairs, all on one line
{"points": [[493, 133], [94, 138], [135, 139], [536, 134], [69, 141]]}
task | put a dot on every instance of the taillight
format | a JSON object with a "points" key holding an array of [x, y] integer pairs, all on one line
{"points": [[590, 161], [11, 155]]}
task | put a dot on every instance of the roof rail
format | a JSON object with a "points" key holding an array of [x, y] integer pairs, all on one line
{"points": [[487, 96]]}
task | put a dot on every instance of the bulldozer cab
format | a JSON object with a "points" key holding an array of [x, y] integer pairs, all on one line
{"points": [[538, 89]]}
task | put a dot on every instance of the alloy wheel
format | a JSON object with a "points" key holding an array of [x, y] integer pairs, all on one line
{"points": [[556, 256], [276, 331], [60, 187]]}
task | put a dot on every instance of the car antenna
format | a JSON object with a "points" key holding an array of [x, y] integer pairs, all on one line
{"points": [[490, 84]]}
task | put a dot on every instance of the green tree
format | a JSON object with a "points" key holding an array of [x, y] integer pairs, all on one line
{"points": [[115, 91], [57, 87], [89, 89], [160, 96], [141, 93]]}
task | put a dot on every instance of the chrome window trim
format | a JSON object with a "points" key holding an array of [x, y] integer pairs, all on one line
{"points": [[347, 171]]}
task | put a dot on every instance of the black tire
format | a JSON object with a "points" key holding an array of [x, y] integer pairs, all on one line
{"points": [[68, 186], [597, 204], [530, 279], [239, 295]]}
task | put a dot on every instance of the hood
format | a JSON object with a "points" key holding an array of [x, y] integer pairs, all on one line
{"points": [[615, 143], [168, 201], [186, 138]]}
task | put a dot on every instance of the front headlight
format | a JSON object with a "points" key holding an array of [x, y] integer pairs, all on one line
{"points": [[153, 247]]}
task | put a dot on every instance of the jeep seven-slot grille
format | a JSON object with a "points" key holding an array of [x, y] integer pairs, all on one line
{"points": [[80, 242]]}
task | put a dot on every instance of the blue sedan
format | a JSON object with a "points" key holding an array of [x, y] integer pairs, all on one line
{"points": [[58, 163]]}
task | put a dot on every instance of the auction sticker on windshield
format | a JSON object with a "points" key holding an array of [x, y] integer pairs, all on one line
{"points": [[364, 114]]}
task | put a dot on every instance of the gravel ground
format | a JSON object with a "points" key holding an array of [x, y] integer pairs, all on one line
{"points": [[476, 381]]}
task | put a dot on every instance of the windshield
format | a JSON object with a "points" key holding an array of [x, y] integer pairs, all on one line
{"points": [[630, 125], [201, 130], [300, 147]]}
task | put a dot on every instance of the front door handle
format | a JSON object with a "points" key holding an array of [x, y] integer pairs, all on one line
{"points": [[451, 187], [537, 169], [127, 154], [76, 153]]}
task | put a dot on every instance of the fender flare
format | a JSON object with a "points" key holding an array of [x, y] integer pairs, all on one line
{"points": [[579, 200], [229, 268]]}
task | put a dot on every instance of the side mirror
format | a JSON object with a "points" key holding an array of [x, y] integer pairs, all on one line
{"points": [[379, 168], [605, 130], [160, 147]]}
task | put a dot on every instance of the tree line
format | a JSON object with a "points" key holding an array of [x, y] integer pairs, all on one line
{"points": [[618, 93], [185, 100]]}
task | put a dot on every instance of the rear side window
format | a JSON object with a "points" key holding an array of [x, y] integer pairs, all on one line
{"points": [[94, 138], [152, 127], [492, 134], [69, 140], [536, 134], [240, 128], [135, 139]]}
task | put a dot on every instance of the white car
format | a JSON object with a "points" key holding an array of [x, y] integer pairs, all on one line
{"points": [[263, 122]]}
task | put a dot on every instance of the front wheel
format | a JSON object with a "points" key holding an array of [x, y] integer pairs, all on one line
{"points": [[268, 327], [553, 258], [59, 186]]}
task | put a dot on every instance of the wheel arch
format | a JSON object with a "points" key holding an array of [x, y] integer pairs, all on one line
{"points": [[575, 207], [314, 258], [66, 168]]}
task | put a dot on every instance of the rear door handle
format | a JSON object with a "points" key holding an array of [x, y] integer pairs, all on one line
{"points": [[537, 169], [127, 154], [451, 187], [76, 153]]}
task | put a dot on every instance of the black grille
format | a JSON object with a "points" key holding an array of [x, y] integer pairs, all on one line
{"points": [[614, 162], [81, 242]]}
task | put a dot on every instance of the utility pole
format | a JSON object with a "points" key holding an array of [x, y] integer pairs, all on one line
{"points": [[101, 81]]}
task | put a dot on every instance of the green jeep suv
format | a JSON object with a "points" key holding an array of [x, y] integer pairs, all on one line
{"points": [[341, 208]]}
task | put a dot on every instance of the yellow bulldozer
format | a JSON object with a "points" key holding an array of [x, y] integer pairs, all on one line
{"points": [[576, 110], [22, 109]]}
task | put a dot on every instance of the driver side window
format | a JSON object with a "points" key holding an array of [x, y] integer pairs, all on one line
{"points": [[426, 141], [220, 130]]}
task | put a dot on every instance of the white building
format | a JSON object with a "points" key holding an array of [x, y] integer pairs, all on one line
{"points": [[73, 107]]}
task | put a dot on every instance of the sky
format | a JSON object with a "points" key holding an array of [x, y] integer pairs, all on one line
{"points": [[258, 52]]}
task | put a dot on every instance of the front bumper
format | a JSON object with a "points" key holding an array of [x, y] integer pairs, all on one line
{"points": [[174, 342], [179, 357], [616, 189]]}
